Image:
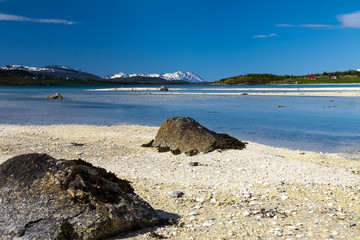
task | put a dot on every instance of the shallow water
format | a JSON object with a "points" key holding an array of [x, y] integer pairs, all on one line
{"points": [[327, 124]]}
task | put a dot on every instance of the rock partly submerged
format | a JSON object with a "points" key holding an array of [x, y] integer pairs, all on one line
{"points": [[164, 89], [184, 134], [56, 96], [46, 198]]}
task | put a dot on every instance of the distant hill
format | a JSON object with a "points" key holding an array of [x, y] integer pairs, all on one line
{"points": [[53, 70], [52, 74], [350, 76], [15, 75], [252, 79], [24, 78]]}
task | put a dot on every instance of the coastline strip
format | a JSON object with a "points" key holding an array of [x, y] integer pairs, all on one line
{"points": [[334, 93]]}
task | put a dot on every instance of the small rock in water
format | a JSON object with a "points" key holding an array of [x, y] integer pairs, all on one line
{"points": [[164, 89], [55, 96], [177, 194]]}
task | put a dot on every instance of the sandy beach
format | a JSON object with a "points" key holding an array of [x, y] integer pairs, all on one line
{"points": [[261, 192]]}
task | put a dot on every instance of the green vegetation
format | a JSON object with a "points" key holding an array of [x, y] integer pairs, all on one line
{"points": [[24, 78], [325, 80], [254, 79], [350, 76]]}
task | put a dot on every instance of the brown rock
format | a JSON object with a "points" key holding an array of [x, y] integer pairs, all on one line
{"points": [[186, 135], [55, 96]]}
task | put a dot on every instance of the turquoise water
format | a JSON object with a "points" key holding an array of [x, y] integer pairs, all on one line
{"points": [[327, 124]]}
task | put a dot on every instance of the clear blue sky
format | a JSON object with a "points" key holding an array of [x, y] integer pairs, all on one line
{"points": [[215, 39]]}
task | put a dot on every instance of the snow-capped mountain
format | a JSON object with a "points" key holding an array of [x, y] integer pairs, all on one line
{"points": [[118, 75], [176, 76], [53, 70], [187, 76], [23, 68]]}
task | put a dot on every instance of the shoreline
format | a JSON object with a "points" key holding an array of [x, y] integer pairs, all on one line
{"points": [[314, 92], [224, 195]]}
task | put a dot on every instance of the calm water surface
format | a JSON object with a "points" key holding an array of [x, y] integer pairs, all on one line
{"points": [[327, 124]]}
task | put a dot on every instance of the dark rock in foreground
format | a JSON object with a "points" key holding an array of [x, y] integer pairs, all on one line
{"points": [[55, 96], [45, 198], [184, 134]]}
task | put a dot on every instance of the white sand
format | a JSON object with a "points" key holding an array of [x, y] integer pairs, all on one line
{"points": [[225, 194]]}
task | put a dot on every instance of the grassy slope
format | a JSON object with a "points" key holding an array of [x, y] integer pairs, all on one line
{"points": [[265, 79]]}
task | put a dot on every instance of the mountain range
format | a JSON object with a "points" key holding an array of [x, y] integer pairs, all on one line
{"points": [[67, 72], [53, 70], [176, 76]]}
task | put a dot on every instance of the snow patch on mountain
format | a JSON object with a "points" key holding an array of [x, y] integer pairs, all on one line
{"points": [[176, 76], [24, 68], [53, 70], [50, 68]]}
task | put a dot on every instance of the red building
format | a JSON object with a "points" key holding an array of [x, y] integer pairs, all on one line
{"points": [[312, 77]]}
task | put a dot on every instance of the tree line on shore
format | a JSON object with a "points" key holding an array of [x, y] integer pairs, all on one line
{"points": [[350, 76]]}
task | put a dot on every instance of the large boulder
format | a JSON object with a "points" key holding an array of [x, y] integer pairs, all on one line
{"points": [[184, 134], [45, 198]]}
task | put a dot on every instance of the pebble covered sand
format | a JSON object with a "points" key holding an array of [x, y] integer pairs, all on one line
{"points": [[261, 192]]}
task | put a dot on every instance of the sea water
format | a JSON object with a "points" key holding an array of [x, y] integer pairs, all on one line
{"points": [[326, 124]]}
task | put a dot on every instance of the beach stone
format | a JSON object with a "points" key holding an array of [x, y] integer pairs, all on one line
{"points": [[186, 135], [164, 89], [193, 164], [46, 198], [177, 194], [55, 96]]}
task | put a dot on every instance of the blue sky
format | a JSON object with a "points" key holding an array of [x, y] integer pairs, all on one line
{"points": [[215, 39]]}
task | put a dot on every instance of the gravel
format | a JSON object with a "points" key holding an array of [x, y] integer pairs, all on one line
{"points": [[260, 192]]}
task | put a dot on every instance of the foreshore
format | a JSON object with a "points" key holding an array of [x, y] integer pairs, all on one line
{"points": [[308, 91], [260, 192]]}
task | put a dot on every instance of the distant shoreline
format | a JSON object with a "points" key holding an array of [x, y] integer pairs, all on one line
{"points": [[332, 92], [90, 83]]}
